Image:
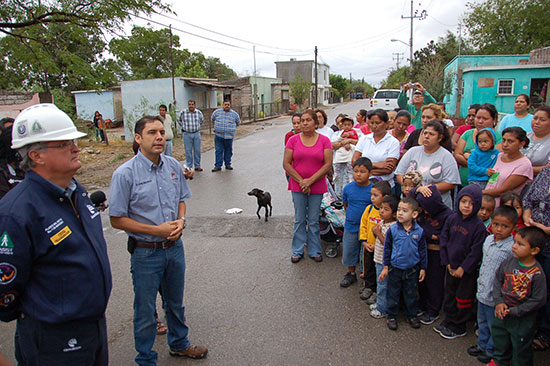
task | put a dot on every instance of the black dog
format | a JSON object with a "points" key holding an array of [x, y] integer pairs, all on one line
{"points": [[264, 200]]}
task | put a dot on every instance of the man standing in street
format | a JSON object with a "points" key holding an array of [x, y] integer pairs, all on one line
{"points": [[168, 128], [191, 120], [225, 121], [421, 97], [148, 195], [55, 277]]}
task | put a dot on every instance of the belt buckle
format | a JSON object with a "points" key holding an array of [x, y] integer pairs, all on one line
{"points": [[164, 244]]}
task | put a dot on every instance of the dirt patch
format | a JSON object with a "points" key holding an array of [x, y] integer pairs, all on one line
{"points": [[100, 161]]}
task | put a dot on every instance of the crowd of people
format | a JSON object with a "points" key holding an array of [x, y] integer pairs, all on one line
{"points": [[453, 221]]}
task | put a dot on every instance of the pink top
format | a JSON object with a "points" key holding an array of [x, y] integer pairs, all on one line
{"points": [[411, 128], [460, 130], [307, 160], [521, 166]]}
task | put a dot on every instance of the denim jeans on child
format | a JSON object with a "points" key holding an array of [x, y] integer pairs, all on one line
{"points": [[402, 280], [343, 174], [224, 151], [485, 317], [351, 249], [306, 224], [151, 269], [192, 145], [381, 290]]}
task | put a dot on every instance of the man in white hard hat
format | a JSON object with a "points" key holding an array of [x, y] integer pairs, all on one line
{"points": [[55, 277]]}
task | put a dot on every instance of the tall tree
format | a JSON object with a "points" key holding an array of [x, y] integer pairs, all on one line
{"points": [[340, 85], [508, 26], [396, 78], [299, 89]]}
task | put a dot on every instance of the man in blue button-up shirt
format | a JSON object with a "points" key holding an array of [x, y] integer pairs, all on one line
{"points": [[225, 121], [148, 196]]}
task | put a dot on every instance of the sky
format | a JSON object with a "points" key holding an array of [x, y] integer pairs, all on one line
{"points": [[351, 36]]}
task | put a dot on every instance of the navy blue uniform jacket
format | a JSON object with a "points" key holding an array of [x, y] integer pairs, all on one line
{"points": [[53, 266]]}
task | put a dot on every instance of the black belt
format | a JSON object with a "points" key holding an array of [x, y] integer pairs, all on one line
{"points": [[189, 131], [155, 244]]}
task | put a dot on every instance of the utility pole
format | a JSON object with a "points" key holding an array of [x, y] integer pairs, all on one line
{"points": [[172, 69], [316, 77], [413, 15], [255, 92], [397, 58], [458, 74]]}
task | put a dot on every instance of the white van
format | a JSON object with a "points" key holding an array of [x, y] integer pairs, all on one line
{"points": [[385, 99]]}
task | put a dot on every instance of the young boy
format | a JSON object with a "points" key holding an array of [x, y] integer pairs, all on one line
{"points": [[519, 290], [356, 196], [461, 240], [433, 215], [496, 248], [488, 205], [369, 219], [483, 158], [405, 253]]}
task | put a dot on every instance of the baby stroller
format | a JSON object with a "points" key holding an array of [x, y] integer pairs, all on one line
{"points": [[331, 222]]}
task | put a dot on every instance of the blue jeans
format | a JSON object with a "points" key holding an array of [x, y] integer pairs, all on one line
{"points": [[224, 151], [485, 317], [192, 143], [381, 290], [402, 280], [151, 269], [168, 148], [351, 249], [307, 209]]}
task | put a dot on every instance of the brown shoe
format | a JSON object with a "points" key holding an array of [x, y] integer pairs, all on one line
{"points": [[191, 352], [198, 169], [216, 169]]}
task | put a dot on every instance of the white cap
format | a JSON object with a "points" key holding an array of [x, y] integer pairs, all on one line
{"points": [[42, 122]]}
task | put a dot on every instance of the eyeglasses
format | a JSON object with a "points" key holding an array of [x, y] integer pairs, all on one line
{"points": [[67, 145]]}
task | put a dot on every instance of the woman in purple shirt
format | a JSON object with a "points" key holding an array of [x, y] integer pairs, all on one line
{"points": [[307, 159]]}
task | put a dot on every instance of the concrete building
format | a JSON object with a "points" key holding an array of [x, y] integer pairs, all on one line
{"points": [[497, 79], [261, 95], [107, 102], [288, 70], [13, 102]]}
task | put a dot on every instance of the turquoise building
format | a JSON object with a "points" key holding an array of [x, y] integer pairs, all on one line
{"points": [[497, 79]]}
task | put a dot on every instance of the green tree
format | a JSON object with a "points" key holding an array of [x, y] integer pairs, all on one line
{"points": [[508, 26], [340, 85], [299, 89], [396, 78]]}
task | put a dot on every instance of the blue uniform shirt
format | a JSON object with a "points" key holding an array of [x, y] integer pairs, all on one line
{"points": [[147, 193], [53, 257]]}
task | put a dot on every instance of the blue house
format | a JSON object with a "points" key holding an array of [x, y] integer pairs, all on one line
{"points": [[497, 79]]}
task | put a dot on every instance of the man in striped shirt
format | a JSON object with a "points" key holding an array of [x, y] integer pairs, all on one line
{"points": [[225, 121], [190, 121]]}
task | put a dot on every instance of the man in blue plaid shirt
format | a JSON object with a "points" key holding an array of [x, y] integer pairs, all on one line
{"points": [[190, 121], [225, 121]]}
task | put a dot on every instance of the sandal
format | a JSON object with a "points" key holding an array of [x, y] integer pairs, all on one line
{"points": [[541, 343], [161, 328]]}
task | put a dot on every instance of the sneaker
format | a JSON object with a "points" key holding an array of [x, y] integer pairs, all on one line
{"points": [[361, 288], [475, 351], [428, 319], [450, 334], [484, 358], [348, 280], [372, 299], [376, 314], [295, 259], [191, 352], [372, 306], [392, 324], [367, 292], [439, 328], [415, 324]]}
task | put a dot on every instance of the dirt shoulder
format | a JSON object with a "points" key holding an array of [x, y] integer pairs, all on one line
{"points": [[100, 161]]}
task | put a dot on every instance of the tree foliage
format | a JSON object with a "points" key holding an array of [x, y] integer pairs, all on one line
{"points": [[508, 26], [299, 89], [340, 85], [396, 78]]}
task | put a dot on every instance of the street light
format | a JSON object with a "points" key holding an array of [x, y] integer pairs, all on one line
{"points": [[410, 49], [398, 40]]}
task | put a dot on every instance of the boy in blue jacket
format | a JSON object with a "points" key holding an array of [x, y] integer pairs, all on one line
{"points": [[483, 158], [461, 240], [405, 262]]}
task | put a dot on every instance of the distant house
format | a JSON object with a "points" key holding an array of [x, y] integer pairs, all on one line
{"points": [[289, 70], [497, 79], [13, 102], [108, 102]]}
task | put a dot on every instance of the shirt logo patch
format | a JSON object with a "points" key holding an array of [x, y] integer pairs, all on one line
{"points": [[73, 345], [7, 273], [6, 244], [50, 229], [92, 211], [61, 235], [415, 236], [7, 298]]}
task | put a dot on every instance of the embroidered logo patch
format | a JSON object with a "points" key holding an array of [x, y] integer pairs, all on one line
{"points": [[93, 211], [61, 235], [73, 345], [7, 298], [7, 273], [6, 244]]}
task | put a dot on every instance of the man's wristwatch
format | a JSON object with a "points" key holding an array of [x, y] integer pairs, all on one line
{"points": [[181, 218]]}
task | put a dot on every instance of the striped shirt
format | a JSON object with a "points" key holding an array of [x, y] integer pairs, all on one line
{"points": [[494, 253], [191, 121], [225, 123]]}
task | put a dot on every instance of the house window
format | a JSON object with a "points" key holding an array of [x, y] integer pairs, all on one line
{"points": [[505, 86]]}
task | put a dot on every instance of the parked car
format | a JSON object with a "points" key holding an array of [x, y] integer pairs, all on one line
{"points": [[359, 95], [385, 99]]}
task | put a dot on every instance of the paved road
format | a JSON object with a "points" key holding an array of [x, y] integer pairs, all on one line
{"points": [[244, 298]]}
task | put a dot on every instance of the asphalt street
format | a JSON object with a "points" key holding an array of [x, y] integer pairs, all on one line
{"points": [[245, 300]]}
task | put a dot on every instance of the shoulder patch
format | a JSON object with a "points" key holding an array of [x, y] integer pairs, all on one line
{"points": [[61, 235], [6, 244], [8, 272]]}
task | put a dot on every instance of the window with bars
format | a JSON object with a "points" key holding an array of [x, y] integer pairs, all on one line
{"points": [[505, 86]]}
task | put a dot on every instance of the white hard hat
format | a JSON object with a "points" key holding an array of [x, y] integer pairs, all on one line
{"points": [[42, 122]]}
